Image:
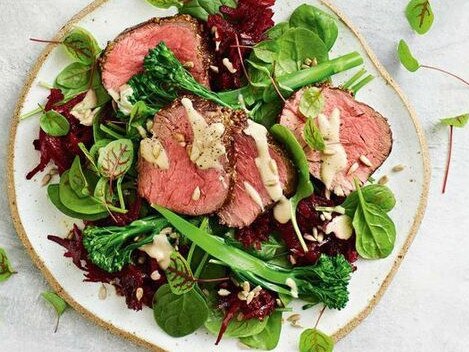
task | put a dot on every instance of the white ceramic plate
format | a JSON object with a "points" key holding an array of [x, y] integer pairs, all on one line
{"points": [[35, 217]]}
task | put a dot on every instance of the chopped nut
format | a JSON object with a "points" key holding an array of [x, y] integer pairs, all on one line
{"points": [[365, 161], [383, 180], [242, 295], [257, 290], [215, 69], [246, 286], [196, 194], [292, 259], [155, 276], [294, 317], [141, 260], [320, 237], [304, 66], [309, 238], [188, 64], [46, 179], [223, 292], [240, 316], [53, 171], [250, 297], [229, 66], [139, 293], [327, 216], [398, 168], [353, 168], [322, 217], [308, 61], [102, 292]]}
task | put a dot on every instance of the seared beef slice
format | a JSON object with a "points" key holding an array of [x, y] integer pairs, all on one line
{"points": [[123, 57], [249, 196], [364, 135], [185, 166]]}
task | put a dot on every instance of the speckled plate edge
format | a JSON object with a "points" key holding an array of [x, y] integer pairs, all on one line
{"points": [[129, 336]]}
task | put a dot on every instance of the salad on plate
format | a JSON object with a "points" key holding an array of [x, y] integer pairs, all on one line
{"points": [[215, 171]]}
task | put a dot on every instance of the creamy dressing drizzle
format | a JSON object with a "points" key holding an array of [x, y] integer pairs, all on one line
{"points": [[160, 249], [122, 98], [336, 159], [207, 146], [341, 226], [255, 196], [153, 151], [269, 171]]}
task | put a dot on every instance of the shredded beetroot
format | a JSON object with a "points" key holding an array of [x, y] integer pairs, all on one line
{"points": [[261, 306], [308, 218], [126, 282], [244, 26], [61, 150]]}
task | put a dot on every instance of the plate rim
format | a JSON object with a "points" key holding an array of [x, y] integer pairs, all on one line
{"points": [[54, 283]]}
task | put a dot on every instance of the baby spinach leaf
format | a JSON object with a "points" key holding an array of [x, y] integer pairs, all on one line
{"points": [[78, 181], [312, 102], [313, 340], [6, 269], [179, 274], [313, 136], [267, 113], [116, 158], [102, 191], [266, 51], [54, 124], [375, 231], [419, 13], [317, 21], [70, 200], [74, 76], [268, 338], [54, 196], [81, 46], [57, 302], [236, 328], [458, 121], [406, 58], [277, 30], [201, 9], [164, 4], [295, 46], [378, 195], [304, 188], [179, 315]]}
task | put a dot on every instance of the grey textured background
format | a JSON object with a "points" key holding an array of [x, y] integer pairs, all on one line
{"points": [[427, 306]]}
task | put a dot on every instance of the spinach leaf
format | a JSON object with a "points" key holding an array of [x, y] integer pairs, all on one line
{"points": [[406, 58], [54, 124], [57, 302], [313, 340], [69, 198], [304, 188], [74, 76], [78, 181], [419, 13], [278, 30], [268, 338], [295, 46], [266, 114], [164, 4], [81, 46], [116, 158], [6, 269], [54, 196], [311, 102], [266, 50], [313, 136], [317, 21], [378, 195], [374, 229], [270, 248], [458, 121], [236, 328], [179, 274], [179, 315], [201, 9], [102, 191]]}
